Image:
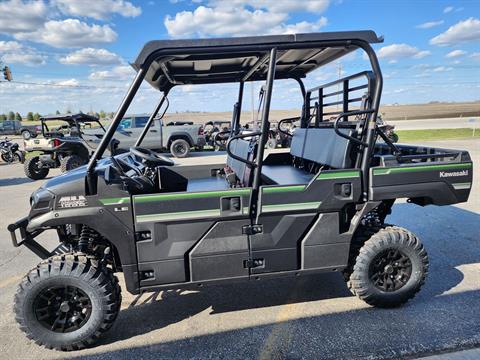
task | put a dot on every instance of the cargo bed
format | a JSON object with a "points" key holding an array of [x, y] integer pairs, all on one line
{"points": [[424, 175]]}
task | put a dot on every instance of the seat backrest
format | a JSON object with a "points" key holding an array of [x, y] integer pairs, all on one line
{"points": [[323, 146], [297, 145], [242, 149]]}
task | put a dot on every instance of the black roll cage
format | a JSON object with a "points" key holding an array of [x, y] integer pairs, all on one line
{"points": [[270, 55]]}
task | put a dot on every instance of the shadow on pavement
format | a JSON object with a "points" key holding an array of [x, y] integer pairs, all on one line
{"points": [[15, 181], [433, 321]]}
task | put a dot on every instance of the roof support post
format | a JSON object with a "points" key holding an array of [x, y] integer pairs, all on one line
{"points": [[151, 118], [264, 129], [91, 186], [370, 124], [236, 121]]}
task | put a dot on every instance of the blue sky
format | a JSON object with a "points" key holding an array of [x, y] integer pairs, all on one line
{"points": [[80, 50]]}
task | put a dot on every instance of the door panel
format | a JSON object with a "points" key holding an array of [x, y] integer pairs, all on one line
{"points": [[287, 212], [192, 231]]}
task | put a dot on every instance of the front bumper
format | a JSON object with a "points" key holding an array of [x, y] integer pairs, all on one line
{"points": [[28, 238]]}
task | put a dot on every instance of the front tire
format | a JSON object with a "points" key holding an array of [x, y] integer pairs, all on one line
{"points": [[70, 162], [67, 302], [34, 170], [180, 148], [390, 268]]}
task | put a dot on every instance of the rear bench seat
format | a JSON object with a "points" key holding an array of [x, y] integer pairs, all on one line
{"points": [[318, 145], [238, 173]]}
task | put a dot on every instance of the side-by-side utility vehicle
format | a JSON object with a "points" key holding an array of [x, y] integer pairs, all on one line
{"points": [[67, 144], [319, 207]]}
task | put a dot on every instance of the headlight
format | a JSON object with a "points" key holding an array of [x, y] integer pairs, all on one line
{"points": [[41, 199]]}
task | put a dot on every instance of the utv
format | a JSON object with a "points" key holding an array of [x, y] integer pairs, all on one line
{"points": [[66, 146], [319, 207]]}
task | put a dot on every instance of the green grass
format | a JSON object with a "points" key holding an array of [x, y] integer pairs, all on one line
{"points": [[436, 134]]}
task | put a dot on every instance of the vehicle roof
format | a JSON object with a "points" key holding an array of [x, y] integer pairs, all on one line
{"points": [[220, 60], [70, 117]]}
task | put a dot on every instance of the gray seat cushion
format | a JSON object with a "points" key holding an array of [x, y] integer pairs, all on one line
{"points": [[285, 175]]}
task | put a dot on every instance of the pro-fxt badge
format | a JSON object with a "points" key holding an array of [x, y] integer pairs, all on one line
{"points": [[72, 201]]}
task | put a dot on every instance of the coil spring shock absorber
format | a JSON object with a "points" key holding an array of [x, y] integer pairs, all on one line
{"points": [[86, 238]]}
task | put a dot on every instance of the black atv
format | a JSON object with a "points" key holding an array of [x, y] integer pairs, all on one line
{"points": [[67, 144], [320, 207]]}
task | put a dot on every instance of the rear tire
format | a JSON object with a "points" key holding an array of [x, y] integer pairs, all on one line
{"points": [[33, 169], [71, 162], [180, 148], [390, 268], [67, 302]]}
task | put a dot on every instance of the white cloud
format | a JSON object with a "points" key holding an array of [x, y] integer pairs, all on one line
{"points": [[430, 24], [70, 82], [455, 53], [15, 53], [398, 51], [244, 17], [122, 72], [463, 31], [300, 27], [442, 69], [70, 33], [96, 9], [92, 57], [448, 9], [19, 16], [277, 6], [206, 21], [475, 56]]}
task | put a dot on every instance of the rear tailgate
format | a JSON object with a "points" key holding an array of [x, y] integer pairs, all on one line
{"points": [[438, 182]]}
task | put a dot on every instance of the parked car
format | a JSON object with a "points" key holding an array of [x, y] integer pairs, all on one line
{"points": [[177, 137], [15, 127]]}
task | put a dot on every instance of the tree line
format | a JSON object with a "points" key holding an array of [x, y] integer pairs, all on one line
{"points": [[36, 116]]}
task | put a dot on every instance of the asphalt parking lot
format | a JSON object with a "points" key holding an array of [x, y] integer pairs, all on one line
{"points": [[309, 318]]}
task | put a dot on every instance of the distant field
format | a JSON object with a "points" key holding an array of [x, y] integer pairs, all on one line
{"points": [[400, 112]]}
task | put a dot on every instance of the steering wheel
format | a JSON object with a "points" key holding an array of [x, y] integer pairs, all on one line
{"points": [[150, 157]]}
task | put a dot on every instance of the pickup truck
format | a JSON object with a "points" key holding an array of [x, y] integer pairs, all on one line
{"points": [[15, 127], [177, 137]]}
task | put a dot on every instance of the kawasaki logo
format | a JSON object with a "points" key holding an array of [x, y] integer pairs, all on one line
{"points": [[444, 174]]}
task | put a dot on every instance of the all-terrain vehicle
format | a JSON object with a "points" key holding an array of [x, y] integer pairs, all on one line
{"points": [[320, 207], [66, 146]]}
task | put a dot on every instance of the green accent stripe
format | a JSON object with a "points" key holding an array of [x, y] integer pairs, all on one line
{"points": [[184, 215], [192, 195], [178, 215], [330, 175], [277, 189], [115, 201], [388, 171], [293, 206], [462, 186]]}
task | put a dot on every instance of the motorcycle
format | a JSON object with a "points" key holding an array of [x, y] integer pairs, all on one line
{"points": [[388, 129], [10, 152]]}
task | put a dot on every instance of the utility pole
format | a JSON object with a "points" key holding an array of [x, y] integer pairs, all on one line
{"points": [[339, 69], [252, 101]]}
